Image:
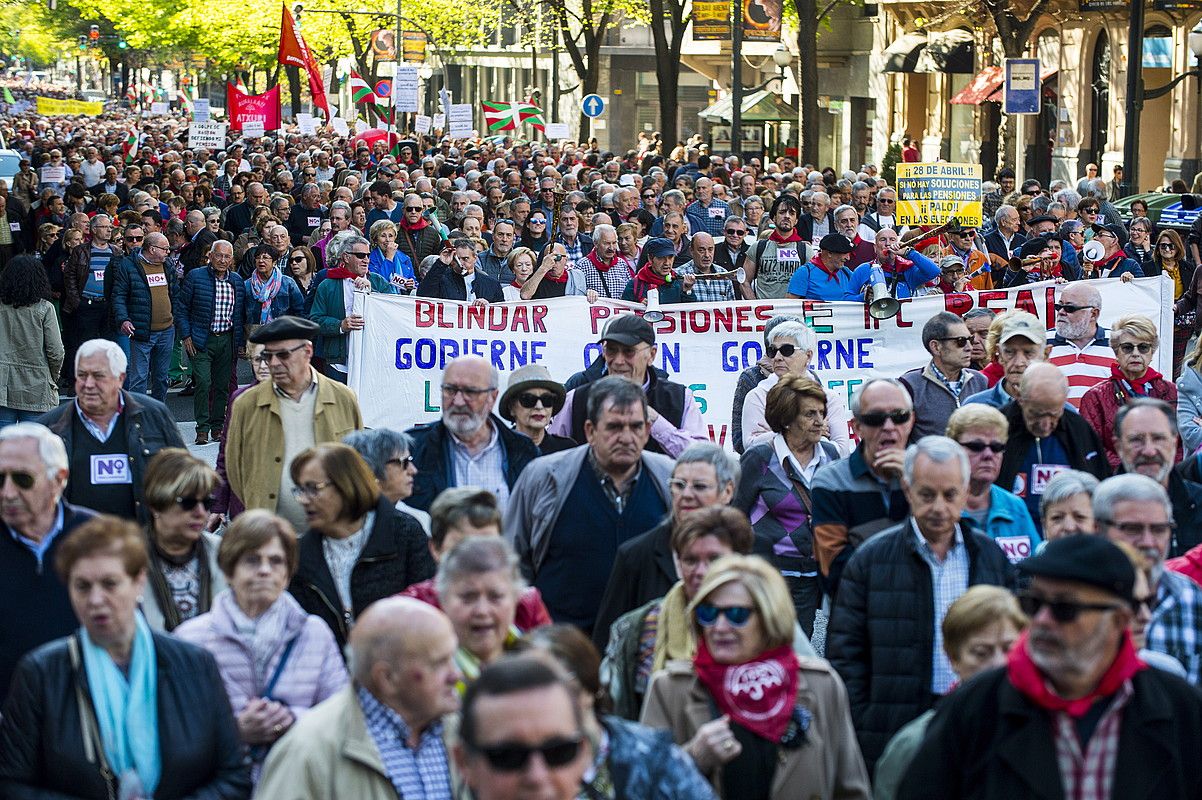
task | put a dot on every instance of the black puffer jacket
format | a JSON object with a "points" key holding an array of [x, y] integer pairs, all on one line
{"points": [[42, 744], [395, 556], [882, 628], [131, 294]]}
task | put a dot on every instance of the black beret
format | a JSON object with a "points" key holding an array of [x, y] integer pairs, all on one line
{"points": [[285, 328], [1084, 558]]}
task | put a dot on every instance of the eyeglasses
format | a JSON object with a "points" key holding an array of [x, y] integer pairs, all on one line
{"points": [[1147, 601], [981, 447], [536, 222], [470, 392], [736, 232], [266, 356], [189, 503], [875, 419], [884, 201], [959, 341], [23, 480], [966, 234], [1069, 308], [1134, 529], [1167, 246], [403, 463], [357, 254], [310, 490], [530, 400], [512, 757], [737, 616], [134, 239], [678, 485], [413, 208], [1063, 611], [786, 350], [1127, 348], [297, 260]]}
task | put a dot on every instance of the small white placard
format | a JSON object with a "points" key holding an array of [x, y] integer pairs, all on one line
{"points": [[421, 124], [557, 130]]}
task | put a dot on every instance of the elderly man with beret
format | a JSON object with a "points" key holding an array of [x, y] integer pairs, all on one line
{"points": [[275, 420]]}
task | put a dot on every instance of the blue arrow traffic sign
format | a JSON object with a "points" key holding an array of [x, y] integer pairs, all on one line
{"points": [[593, 105]]}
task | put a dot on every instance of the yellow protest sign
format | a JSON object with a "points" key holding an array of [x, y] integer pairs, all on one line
{"points": [[53, 107], [933, 193]]}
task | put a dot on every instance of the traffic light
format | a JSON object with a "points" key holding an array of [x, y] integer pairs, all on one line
{"points": [[83, 42], [94, 36], [123, 45]]}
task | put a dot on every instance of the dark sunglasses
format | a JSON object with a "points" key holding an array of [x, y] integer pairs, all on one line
{"points": [[297, 260], [737, 616], [1069, 308], [403, 463], [133, 238], [23, 480], [530, 400], [536, 222], [189, 503], [786, 350], [512, 757], [736, 232], [1167, 246], [981, 447], [959, 341], [875, 419], [1063, 611], [1143, 347], [414, 208]]}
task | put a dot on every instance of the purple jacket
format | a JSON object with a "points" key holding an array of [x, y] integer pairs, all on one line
{"points": [[314, 671]]}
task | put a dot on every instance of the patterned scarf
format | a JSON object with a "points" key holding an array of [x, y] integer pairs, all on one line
{"points": [[758, 694], [265, 291]]}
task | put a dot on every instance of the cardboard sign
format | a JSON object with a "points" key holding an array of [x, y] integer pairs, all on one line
{"points": [[340, 127], [253, 129], [1016, 548], [421, 124], [160, 109], [156, 279], [556, 130], [210, 135], [54, 174], [200, 110], [307, 124], [461, 120], [932, 193], [405, 89], [361, 127], [440, 121]]}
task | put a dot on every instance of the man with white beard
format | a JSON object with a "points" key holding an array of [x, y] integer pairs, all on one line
{"points": [[1081, 347], [469, 446]]}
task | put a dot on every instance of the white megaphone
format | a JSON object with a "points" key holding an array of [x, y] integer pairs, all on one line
{"points": [[1094, 250], [653, 314], [884, 305]]}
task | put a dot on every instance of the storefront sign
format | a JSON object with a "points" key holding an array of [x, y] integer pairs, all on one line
{"points": [[711, 20]]}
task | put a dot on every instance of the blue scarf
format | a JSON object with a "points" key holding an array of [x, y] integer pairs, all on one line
{"points": [[127, 709], [265, 291]]}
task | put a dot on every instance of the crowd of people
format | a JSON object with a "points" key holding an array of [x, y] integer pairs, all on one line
{"points": [[976, 579]]}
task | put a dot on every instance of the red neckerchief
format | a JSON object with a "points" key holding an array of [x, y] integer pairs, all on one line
{"points": [[561, 279], [817, 262], [340, 273], [422, 222], [1109, 263], [758, 694], [514, 283], [1029, 681], [649, 277], [898, 261], [1145, 380], [776, 237], [601, 266]]}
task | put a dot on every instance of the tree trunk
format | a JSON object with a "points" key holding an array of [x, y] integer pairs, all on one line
{"points": [[667, 59], [294, 88], [807, 49]]}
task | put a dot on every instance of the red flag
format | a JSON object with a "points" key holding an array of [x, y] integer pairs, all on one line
{"points": [[263, 108], [294, 52]]}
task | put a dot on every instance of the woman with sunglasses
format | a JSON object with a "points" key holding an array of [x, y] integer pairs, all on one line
{"points": [[275, 660], [534, 231], [630, 760], [302, 266], [182, 573], [982, 431], [791, 346], [388, 455], [530, 400], [793, 738], [774, 489], [1134, 340]]}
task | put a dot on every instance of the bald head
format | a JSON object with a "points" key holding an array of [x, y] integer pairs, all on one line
{"points": [[391, 631], [1041, 378]]}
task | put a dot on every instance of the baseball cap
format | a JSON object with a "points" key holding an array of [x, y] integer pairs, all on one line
{"points": [[1025, 325], [1118, 230], [1084, 558], [660, 247], [630, 330]]}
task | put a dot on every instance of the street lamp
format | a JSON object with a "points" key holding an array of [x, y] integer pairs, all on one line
{"points": [[782, 58]]}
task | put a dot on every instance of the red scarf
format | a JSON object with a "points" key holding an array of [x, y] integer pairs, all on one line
{"points": [[1026, 677], [340, 273], [601, 266], [514, 283], [758, 694], [422, 222], [898, 264], [993, 373], [1146, 380], [649, 277], [792, 237], [561, 279]]}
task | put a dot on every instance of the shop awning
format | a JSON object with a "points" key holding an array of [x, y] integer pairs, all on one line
{"points": [[903, 54], [948, 51], [978, 90], [996, 95], [761, 106]]}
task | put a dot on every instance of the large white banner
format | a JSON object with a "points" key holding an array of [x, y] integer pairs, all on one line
{"points": [[397, 360]]}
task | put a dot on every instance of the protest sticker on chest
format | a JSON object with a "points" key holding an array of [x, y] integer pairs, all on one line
{"points": [[1042, 473], [112, 468], [1016, 548], [717, 213], [156, 280], [788, 254]]}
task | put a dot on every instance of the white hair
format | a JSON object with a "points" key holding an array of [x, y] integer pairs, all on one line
{"points": [[118, 363], [940, 450], [50, 447]]}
